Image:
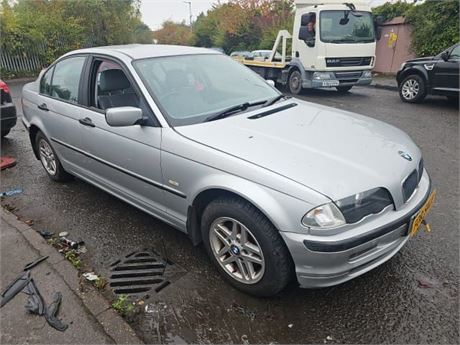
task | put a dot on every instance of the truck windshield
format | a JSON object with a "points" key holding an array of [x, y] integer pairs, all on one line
{"points": [[346, 26], [191, 88]]}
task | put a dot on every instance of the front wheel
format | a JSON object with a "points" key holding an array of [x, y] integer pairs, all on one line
{"points": [[49, 160], [412, 89], [343, 89], [295, 82], [245, 247]]}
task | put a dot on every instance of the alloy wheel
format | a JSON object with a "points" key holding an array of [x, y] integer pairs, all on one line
{"points": [[237, 250], [47, 157], [410, 89]]}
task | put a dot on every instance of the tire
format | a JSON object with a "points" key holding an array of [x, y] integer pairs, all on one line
{"points": [[295, 82], [50, 160], [343, 89], [412, 89], [5, 132], [274, 268]]}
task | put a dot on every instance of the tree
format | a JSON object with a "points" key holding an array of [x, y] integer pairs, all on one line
{"points": [[435, 26], [173, 33]]}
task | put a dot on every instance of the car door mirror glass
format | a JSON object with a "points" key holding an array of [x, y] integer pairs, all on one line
{"points": [[123, 116]]}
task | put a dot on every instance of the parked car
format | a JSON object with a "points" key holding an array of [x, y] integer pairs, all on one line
{"points": [[263, 55], [272, 186], [438, 75], [7, 109], [241, 54]]}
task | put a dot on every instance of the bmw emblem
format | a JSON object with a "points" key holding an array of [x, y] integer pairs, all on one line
{"points": [[234, 249], [405, 155]]}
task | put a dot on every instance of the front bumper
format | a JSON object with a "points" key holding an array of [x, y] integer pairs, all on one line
{"points": [[337, 79], [322, 261]]}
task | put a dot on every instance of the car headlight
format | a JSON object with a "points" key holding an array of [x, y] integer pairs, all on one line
{"points": [[325, 216], [321, 75], [358, 206]]}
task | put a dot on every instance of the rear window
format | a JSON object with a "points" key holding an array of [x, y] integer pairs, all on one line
{"points": [[66, 78]]}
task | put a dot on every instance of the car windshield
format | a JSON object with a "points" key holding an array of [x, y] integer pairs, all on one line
{"points": [[346, 27], [191, 88]]}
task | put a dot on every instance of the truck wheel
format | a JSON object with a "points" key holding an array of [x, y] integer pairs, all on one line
{"points": [[50, 160], [343, 89], [245, 247], [412, 89], [295, 82]]}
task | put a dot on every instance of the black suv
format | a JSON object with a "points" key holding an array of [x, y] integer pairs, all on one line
{"points": [[7, 109], [436, 75]]}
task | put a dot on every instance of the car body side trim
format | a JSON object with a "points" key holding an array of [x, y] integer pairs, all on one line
{"points": [[113, 166]]}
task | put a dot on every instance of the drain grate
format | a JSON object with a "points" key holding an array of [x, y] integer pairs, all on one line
{"points": [[139, 272]]}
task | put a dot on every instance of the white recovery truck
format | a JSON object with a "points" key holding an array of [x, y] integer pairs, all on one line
{"points": [[333, 46]]}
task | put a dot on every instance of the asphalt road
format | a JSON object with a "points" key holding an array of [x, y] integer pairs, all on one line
{"points": [[413, 298]]}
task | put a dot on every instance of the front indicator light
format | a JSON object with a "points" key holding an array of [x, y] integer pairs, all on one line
{"points": [[325, 217]]}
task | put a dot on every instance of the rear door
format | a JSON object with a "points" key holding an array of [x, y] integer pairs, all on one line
{"points": [[59, 107], [446, 73], [124, 160]]}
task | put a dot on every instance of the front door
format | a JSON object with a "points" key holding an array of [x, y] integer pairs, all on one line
{"points": [[446, 73], [124, 160]]}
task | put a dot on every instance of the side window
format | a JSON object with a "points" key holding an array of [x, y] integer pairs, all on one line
{"points": [[45, 82], [112, 87], [66, 79], [455, 53]]}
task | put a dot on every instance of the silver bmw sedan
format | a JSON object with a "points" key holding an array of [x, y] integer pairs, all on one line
{"points": [[273, 187]]}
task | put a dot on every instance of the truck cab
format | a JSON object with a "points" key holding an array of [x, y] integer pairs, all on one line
{"points": [[333, 46]]}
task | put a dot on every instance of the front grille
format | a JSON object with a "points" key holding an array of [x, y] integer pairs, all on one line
{"points": [[348, 61], [409, 185], [348, 75]]}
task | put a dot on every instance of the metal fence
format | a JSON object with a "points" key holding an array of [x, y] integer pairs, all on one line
{"points": [[28, 61]]}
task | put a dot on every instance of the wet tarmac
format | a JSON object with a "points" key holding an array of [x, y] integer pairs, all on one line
{"points": [[413, 298]]}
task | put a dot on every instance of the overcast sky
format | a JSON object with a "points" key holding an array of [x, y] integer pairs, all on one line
{"points": [[155, 12]]}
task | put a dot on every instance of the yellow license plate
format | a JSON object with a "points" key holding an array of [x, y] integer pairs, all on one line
{"points": [[420, 216]]}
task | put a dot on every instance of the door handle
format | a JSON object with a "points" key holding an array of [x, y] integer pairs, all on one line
{"points": [[87, 122], [43, 106]]}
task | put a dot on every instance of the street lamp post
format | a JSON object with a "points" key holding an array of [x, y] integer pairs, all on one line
{"points": [[190, 11]]}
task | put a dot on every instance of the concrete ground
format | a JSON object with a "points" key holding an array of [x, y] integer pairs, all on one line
{"points": [[413, 298], [18, 326]]}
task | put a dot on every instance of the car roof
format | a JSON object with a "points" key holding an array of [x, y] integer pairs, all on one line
{"points": [[141, 51]]}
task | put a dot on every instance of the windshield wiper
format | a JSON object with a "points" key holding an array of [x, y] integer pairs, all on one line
{"points": [[274, 100], [230, 110]]}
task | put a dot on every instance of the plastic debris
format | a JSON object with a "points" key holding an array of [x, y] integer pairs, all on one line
{"points": [[90, 276], [11, 192], [52, 311], [35, 304], [329, 338], [63, 234], [34, 263], [29, 222], [7, 162], [46, 234], [291, 325], [15, 287], [244, 339], [424, 284]]}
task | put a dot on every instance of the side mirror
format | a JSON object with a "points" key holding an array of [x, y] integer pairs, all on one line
{"points": [[445, 56], [270, 82], [123, 116]]}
